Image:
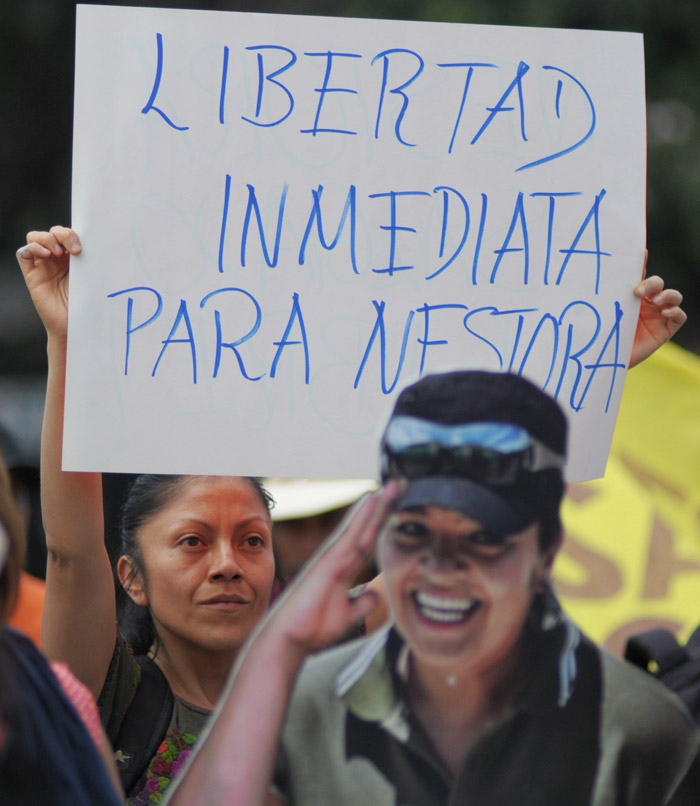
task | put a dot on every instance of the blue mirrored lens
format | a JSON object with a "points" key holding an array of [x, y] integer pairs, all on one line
{"points": [[408, 432]]}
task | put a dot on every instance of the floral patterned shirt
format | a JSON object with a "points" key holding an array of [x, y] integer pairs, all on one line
{"points": [[165, 765]]}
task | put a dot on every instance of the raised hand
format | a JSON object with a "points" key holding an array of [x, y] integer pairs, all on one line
{"points": [[316, 610], [660, 317], [44, 262]]}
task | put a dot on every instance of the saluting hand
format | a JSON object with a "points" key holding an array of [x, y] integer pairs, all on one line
{"points": [[316, 610]]}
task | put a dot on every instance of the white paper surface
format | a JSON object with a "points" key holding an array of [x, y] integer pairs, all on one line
{"points": [[430, 196]]}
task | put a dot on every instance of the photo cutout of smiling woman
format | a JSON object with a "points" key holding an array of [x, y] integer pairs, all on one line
{"points": [[479, 689]]}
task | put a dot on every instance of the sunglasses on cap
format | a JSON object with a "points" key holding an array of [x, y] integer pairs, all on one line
{"points": [[492, 453]]}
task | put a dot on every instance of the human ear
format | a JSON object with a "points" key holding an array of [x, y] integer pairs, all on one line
{"points": [[131, 580], [547, 558], [551, 553]]}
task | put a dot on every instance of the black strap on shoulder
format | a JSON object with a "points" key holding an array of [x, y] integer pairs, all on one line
{"points": [[659, 646], [678, 666], [144, 725]]}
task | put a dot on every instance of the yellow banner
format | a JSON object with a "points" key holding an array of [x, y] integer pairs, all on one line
{"points": [[631, 554]]}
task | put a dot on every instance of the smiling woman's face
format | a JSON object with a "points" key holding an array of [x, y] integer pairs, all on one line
{"points": [[459, 595]]}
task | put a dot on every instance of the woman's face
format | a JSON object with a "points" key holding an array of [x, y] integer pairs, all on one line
{"points": [[208, 563], [460, 595]]}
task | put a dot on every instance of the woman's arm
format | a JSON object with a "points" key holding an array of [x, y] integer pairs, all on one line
{"points": [[79, 622], [234, 762]]}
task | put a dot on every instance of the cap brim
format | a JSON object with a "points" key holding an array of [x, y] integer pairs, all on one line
{"points": [[479, 503]]}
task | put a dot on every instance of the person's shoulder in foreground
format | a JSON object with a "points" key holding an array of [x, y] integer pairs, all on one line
{"points": [[48, 756]]}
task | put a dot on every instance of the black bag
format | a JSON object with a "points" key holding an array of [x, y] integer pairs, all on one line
{"points": [[145, 724], [676, 666]]}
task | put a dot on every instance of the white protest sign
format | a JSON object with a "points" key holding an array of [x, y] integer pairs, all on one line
{"points": [[287, 219]]}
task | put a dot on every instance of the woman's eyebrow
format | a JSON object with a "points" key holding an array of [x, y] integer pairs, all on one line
{"points": [[187, 520]]}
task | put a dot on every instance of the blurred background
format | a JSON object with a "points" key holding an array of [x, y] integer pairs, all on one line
{"points": [[632, 556]]}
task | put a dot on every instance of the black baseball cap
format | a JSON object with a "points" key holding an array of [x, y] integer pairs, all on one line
{"points": [[491, 445]]}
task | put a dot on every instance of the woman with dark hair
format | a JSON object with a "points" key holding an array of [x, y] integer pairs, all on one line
{"points": [[52, 749], [197, 569]]}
